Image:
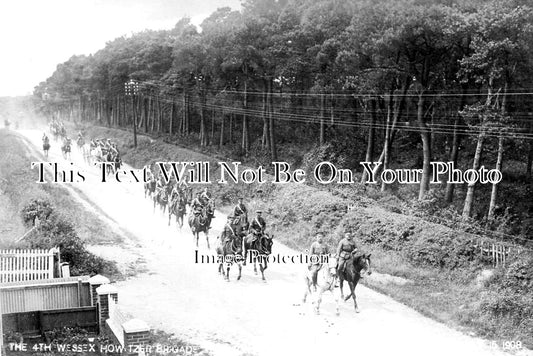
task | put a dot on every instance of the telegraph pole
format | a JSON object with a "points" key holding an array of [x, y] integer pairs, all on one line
{"points": [[131, 89]]}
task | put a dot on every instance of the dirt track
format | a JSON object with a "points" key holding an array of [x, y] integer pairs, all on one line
{"points": [[247, 317]]}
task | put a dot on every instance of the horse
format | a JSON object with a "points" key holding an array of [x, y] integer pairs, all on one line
{"points": [[201, 223], [46, 147], [86, 152], [96, 154], [114, 162], [262, 246], [178, 209], [161, 199], [149, 188], [325, 283], [65, 149], [355, 267], [229, 251], [80, 142]]}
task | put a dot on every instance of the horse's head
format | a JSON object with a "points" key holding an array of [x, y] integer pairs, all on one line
{"points": [[362, 264], [267, 243]]}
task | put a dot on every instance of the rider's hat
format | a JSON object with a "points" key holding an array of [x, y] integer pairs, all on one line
{"points": [[259, 211]]}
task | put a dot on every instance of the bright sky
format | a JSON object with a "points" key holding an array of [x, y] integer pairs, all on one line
{"points": [[37, 35]]}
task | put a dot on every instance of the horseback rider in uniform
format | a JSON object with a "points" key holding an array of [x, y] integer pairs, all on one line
{"points": [[196, 205], [205, 197], [228, 233], [159, 187], [46, 140], [257, 226], [318, 249], [240, 212], [345, 249], [174, 196]]}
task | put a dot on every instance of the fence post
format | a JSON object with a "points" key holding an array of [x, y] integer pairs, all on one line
{"points": [[95, 282], [104, 293], [136, 333]]}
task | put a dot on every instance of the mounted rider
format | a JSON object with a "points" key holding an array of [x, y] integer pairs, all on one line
{"points": [[228, 232], [240, 211], [174, 196], [257, 226], [159, 186], [318, 250], [46, 140], [345, 249], [196, 205], [205, 197]]}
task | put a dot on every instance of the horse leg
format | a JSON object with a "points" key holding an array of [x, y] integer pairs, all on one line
{"points": [[352, 289], [341, 281], [255, 267], [227, 275], [207, 239], [240, 270], [262, 269], [318, 301], [336, 298], [307, 289], [169, 217], [245, 254]]}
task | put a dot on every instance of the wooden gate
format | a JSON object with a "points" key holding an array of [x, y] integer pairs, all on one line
{"points": [[26, 265]]}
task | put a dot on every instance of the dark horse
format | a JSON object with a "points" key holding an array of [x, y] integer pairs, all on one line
{"points": [[356, 266], [149, 188], [229, 251], [46, 146], [261, 247], [65, 148], [114, 162], [178, 209], [161, 199], [201, 223]]}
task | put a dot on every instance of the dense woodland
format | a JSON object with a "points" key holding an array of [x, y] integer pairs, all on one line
{"points": [[403, 82]]}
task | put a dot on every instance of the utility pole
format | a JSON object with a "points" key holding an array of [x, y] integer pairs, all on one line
{"points": [[131, 89]]}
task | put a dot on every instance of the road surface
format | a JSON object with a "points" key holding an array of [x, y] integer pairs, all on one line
{"points": [[246, 317]]}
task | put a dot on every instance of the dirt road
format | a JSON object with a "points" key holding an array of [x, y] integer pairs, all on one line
{"points": [[247, 317]]}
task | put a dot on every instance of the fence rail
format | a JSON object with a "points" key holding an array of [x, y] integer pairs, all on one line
{"points": [[26, 265], [58, 293]]}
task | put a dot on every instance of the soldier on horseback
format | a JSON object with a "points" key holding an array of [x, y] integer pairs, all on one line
{"points": [[318, 249], [174, 196], [160, 185], [228, 232], [257, 226], [345, 249], [196, 205], [205, 197], [240, 211]]}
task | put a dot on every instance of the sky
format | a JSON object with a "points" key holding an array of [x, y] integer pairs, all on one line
{"points": [[37, 35]]}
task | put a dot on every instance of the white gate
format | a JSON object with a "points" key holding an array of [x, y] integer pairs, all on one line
{"points": [[26, 265]]}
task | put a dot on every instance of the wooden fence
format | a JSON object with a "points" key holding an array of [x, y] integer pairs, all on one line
{"points": [[57, 293], [497, 252], [26, 265], [37, 322]]}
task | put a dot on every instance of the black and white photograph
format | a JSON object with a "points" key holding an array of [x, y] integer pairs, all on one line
{"points": [[266, 177]]}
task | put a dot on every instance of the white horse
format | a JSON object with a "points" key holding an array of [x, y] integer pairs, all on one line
{"points": [[96, 154], [86, 152], [326, 280]]}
